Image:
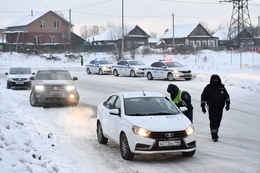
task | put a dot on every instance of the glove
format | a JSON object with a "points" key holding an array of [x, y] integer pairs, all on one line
{"points": [[227, 107], [203, 109]]}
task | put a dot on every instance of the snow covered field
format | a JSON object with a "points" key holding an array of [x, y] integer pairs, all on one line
{"points": [[27, 142]]}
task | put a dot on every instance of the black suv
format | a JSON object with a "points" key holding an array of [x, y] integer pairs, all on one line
{"points": [[53, 86]]}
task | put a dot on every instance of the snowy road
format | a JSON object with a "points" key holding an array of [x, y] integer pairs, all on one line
{"points": [[74, 129]]}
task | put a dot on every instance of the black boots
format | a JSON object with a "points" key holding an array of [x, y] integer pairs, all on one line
{"points": [[214, 136]]}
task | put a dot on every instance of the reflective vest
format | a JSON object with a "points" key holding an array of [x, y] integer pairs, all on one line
{"points": [[178, 99]]}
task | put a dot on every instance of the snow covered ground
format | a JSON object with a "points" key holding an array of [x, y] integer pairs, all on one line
{"points": [[23, 148]]}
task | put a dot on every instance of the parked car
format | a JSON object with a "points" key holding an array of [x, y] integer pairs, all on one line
{"points": [[145, 123], [53, 86], [99, 65], [128, 67], [168, 69], [19, 77]]}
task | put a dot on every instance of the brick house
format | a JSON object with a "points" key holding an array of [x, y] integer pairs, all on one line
{"points": [[38, 28]]}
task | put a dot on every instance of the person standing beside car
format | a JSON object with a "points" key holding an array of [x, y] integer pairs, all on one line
{"points": [[215, 97], [181, 98]]}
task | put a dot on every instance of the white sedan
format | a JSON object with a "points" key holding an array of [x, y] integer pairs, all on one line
{"points": [[128, 67], [145, 123], [167, 69], [99, 66]]}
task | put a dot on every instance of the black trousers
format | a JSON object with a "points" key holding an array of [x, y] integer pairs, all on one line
{"points": [[215, 117], [189, 114]]}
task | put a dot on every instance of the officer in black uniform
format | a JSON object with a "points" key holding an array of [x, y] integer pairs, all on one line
{"points": [[215, 97]]}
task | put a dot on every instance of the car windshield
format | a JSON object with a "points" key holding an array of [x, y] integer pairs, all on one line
{"points": [[105, 62], [147, 106], [53, 75], [20, 71], [136, 63], [173, 64]]}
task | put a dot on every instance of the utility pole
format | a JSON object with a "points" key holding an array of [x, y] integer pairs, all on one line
{"points": [[70, 29], [122, 52], [173, 31]]}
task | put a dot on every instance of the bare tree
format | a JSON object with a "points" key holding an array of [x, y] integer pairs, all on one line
{"points": [[153, 34]]}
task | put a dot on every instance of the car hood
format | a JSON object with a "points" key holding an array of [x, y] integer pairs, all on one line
{"points": [[19, 75], [160, 122], [179, 68], [54, 82]]}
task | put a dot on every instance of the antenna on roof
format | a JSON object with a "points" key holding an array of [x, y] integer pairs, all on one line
{"points": [[142, 90]]}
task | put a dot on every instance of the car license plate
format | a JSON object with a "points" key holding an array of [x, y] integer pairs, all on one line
{"points": [[169, 143], [55, 93], [19, 83]]}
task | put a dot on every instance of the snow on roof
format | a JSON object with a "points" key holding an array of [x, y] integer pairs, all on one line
{"points": [[113, 33], [180, 31], [26, 19], [153, 40], [222, 34]]}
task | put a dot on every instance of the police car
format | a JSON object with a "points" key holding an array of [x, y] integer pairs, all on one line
{"points": [[99, 65], [168, 69], [128, 67]]}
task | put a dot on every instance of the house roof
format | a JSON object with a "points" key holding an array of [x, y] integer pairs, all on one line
{"points": [[222, 34], [180, 31], [115, 33], [27, 19]]}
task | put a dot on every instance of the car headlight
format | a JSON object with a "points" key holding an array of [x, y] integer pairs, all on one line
{"points": [[141, 131], [176, 71], [190, 130], [70, 87], [10, 79], [39, 87]]}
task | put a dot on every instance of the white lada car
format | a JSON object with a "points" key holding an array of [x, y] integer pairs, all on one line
{"points": [[129, 68], [145, 123], [168, 69], [99, 65]]}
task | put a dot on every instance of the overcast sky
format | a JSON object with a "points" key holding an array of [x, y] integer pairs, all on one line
{"points": [[150, 15]]}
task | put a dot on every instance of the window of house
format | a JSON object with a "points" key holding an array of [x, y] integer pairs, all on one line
{"points": [[204, 43], [52, 39], [192, 43], [37, 40], [128, 44], [212, 43], [198, 43], [43, 24], [56, 24]]}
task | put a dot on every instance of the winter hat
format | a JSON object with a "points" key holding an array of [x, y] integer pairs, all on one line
{"points": [[172, 88]]}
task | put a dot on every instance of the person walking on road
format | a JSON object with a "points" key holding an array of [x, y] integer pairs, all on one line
{"points": [[181, 98], [215, 97]]}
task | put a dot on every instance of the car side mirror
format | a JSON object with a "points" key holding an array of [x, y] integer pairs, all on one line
{"points": [[74, 78], [114, 111], [183, 109], [33, 73]]}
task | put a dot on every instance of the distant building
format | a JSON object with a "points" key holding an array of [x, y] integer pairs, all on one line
{"points": [[190, 35], [134, 37]]}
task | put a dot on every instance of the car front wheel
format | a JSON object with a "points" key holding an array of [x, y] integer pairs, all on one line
{"points": [[33, 102], [132, 73], [149, 76], [100, 136], [125, 149], [115, 73], [88, 71], [100, 71], [170, 77]]}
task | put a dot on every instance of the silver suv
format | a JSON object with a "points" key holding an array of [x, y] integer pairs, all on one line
{"points": [[53, 86]]}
